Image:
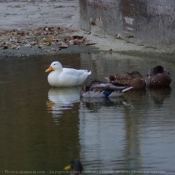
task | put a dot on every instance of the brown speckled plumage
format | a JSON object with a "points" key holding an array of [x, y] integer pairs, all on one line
{"points": [[158, 77], [133, 79]]}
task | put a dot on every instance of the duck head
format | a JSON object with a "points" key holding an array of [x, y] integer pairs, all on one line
{"points": [[76, 166], [55, 66], [110, 78]]}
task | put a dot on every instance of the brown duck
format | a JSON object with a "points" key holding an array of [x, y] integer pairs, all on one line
{"points": [[133, 79], [158, 77]]}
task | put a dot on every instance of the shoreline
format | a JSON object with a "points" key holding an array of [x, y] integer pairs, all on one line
{"points": [[36, 28]]}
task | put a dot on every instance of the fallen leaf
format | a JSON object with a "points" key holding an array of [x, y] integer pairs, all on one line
{"points": [[77, 37], [88, 43], [63, 45], [5, 47], [18, 47]]}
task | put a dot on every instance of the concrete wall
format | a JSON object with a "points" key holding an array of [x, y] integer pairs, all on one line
{"points": [[144, 22]]}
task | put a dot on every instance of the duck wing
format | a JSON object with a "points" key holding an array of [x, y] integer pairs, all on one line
{"points": [[73, 76]]}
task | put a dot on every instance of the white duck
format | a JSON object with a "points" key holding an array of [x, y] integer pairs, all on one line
{"points": [[64, 77]]}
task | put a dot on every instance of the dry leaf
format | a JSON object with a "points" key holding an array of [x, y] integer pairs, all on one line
{"points": [[5, 47]]}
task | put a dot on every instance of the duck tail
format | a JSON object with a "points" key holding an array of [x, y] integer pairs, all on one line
{"points": [[89, 73], [127, 89]]}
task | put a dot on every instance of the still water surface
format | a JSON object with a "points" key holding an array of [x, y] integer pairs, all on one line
{"points": [[43, 128]]}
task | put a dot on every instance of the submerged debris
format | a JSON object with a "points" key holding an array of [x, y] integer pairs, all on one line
{"points": [[41, 37]]}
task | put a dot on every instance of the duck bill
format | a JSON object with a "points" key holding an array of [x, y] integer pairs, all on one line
{"points": [[49, 69], [67, 167]]}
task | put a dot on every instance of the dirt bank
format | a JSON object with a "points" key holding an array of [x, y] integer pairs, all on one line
{"points": [[51, 27]]}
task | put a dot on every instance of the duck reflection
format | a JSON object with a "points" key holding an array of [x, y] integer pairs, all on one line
{"points": [[136, 94], [160, 94], [103, 100], [97, 103], [101, 132], [61, 99]]}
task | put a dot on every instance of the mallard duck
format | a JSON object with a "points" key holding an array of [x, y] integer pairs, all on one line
{"points": [[75, 166], [66, 77], [133, 79], [158, 77], [96, 88]]}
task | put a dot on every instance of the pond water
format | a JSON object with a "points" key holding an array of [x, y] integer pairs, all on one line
{"points": [[43, 128]]}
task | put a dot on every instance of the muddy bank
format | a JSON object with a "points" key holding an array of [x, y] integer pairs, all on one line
{"points": [[40, 27], [38, 41], [32, 27], [50, 50]]}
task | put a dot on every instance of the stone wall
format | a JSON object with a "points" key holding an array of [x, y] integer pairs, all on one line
{"points": [[144, 22]]}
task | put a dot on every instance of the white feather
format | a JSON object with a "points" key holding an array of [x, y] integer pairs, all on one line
{"points": [[64, 77]]}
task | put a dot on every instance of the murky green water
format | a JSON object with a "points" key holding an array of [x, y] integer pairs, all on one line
{"points": [[43, 128]]}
